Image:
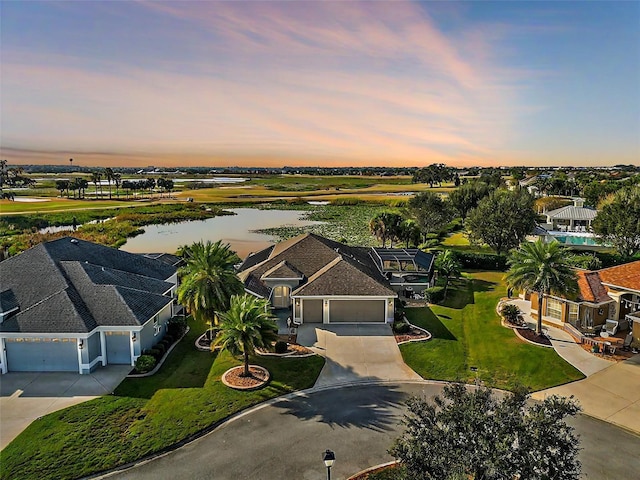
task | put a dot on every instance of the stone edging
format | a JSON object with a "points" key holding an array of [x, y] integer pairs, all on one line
{"points": [[161, 362], [284, 355], [515, 330], [201, 349], [428, 337], [373, 469], [252, 387]]}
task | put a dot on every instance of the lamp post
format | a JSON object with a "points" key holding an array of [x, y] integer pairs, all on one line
{"points": [[329, 458]]}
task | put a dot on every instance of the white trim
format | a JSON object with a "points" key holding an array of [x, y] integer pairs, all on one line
{"points": [[345, 297], [89, 366], [253, 293], [618, 287], [79, 350], [103, 348], [132, 355], [3, 357]]}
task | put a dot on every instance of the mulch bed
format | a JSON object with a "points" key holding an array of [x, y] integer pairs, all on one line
{"points": [[259, 377], [414, 334], [532, 336]]}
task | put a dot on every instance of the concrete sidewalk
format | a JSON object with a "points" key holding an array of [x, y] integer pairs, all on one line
{"points": [[26, 396], [356, 353], [565, 345]]}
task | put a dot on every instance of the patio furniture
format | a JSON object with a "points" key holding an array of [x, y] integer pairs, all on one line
{"points": [[626, 345], [610, 327]]}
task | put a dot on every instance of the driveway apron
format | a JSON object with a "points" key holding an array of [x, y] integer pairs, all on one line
{"points": [[356, 353]]}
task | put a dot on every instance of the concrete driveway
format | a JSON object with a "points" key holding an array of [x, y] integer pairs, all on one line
{"points": [[25, 396], [356, 353], [612, 394]]}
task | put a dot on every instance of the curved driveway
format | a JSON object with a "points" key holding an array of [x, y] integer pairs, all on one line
{"points": [[285, 439]]}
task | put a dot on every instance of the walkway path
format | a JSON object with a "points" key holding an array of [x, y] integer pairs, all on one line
{"points": [[285, 439], [356, 353]]}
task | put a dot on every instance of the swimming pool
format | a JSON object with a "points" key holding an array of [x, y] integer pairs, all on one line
{"points": [[577, 240]]}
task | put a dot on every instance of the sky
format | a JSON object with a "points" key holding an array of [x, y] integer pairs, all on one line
{"points": [[320, 83]]}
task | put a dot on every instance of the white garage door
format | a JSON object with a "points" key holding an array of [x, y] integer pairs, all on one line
{"points": [[341, 311]]}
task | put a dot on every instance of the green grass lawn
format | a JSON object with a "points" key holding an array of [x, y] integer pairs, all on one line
{"points": [[467, 332], [145, 415]]}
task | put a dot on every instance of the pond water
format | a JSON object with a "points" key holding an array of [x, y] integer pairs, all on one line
{"points": [[233, 229]]}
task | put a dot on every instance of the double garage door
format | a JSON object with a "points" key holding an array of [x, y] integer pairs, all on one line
{"points": [[346, 311], [42, 355]]}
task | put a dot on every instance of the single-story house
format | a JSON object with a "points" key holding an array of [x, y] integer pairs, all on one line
{"points": [[572, 218], [73, 305], [323, 281], [608, 294]]}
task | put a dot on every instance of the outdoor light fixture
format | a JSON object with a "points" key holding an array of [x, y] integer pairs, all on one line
{"points": [[329, 458], [80, 344], [133, 336]]}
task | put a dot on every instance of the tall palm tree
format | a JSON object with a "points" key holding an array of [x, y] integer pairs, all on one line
{"points": [[117, 180], [247, 325], [95, 178], [208, 280], [544, 268], [447, 266], [108, 175]]}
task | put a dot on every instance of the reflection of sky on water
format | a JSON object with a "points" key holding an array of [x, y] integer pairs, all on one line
{"points": [[235, 230]]}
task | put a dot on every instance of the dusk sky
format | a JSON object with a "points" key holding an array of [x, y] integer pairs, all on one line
{"points": [[270, 83]]}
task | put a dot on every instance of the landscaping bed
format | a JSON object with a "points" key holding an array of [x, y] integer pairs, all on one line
{"points": [[415, 334], [532, 337]]}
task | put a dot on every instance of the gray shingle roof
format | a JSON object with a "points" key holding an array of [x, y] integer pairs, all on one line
{"points": [[310, 254], [283, 270], [65, 287], [571, 212], [8, 301]]}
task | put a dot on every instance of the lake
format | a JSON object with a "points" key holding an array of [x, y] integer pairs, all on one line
{"points": [[232, 229]]}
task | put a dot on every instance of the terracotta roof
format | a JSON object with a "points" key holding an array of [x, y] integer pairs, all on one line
{"points": [[624, 276], [591, 288]]}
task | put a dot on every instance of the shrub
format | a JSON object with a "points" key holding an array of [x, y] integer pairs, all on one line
{"points": [[281, 347], [160, 347], [481, 261], [145, 363], [434, 294], [168, 338], [510, 313], [177, 326], [155, 353], [401, 327]]}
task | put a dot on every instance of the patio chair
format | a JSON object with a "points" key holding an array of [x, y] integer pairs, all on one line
{"points": [[626, 345]]}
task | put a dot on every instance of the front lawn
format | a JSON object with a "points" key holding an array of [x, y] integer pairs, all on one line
{"points": [[467, 332], [145, 415]]}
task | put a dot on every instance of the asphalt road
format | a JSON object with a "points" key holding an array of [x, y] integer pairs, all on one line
{"points": [[286, 440]]}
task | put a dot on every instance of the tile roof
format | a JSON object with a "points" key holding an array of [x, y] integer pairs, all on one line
{"points": [[73, 287], [591, 288], [624, 276]]}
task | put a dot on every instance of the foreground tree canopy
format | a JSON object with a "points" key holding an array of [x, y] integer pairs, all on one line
{"points": [[619, 221], [469, 434], [502, 220]]}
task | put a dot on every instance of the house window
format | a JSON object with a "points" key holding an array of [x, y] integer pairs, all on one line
{"points": [[554, 308], [573, 313], [156, 326]]}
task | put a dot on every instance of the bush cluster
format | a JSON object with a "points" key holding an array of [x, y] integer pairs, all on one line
{"points": [[401, 327], [177, 326], [281, 347], [481, 261], [145, 363], [434, 294]]}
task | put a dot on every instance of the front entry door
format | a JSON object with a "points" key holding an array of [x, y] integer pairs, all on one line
{"points": [[281, 297]]}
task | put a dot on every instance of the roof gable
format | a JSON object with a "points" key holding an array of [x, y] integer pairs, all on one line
{"points": [[591, 289], [283, 270]]}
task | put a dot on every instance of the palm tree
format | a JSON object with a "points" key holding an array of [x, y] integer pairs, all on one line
{"points": [[209, 280], [249, 324], [117, 180], [544, 268], [95, 178], [108, 175], [448, 266]]}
